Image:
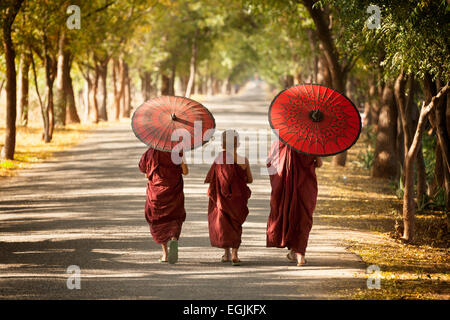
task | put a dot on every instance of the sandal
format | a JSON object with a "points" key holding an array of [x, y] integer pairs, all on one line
{"points": [[290, 258], [235, 263], [302, 264], [173, 252], [223, 259], [160, 260]]}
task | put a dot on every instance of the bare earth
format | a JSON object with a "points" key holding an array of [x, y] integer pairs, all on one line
{"points": [[85, 208]]}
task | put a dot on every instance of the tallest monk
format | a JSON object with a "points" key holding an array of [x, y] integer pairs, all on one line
{"points": [[292, 201], [164, 208]]}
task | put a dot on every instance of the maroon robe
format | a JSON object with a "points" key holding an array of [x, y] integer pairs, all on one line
{"points": [[293, 198], [164, 208], [228, 196]]}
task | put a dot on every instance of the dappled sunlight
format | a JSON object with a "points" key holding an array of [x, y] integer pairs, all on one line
{"points": [[90, 212]]}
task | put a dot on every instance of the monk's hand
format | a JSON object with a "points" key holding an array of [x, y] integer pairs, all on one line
{"points": [[318, 163]]}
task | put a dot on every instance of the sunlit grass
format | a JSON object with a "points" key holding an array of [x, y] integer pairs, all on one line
{"points": [[407, 272], [358, 202]]}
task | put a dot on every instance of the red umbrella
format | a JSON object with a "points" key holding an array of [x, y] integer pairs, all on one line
{"points": [[315, 120], [155, 123]]}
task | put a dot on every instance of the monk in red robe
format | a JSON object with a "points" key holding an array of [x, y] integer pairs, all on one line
{"points": [[164, 208], [292, 201], [228, 196]]}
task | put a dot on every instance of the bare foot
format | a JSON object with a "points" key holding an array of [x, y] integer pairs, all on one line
{"points": [[301, 261], [164, 253], [234, 256], [226, 256]]}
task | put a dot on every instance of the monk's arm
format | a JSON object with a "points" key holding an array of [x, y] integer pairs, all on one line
{"points": [[184, 167], [142, 164], [318, 162], [248, 171], [210, 175]]}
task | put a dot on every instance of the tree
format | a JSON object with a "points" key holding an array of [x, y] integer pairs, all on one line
{"points": [[338, 69], [9, 10]]}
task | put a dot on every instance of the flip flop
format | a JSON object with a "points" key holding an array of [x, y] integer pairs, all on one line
{"points": [[235, 263], [173, 251], [302, 264], [161, 260], [290, 258], [223, 259]]}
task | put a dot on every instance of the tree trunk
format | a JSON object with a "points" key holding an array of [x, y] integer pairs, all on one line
{"points": [[183, 83], [165, 85], [1, 87], [118, 87], [409, 208], [313, 46], [102, 70], [441, 131], [338, 73], [209, 84], [404, 109], [172, 80], [60, 95], [50, 66], [443, 142], [126, 91], [214, 85], [229, 86], [447, 205], [386, 159], [93, 95], [86, 95], [329, 50], [288, 81], [8, 47], [146, 85], [71, 114], [200, 85], [192, 67], [374, 105], [225, 86], [421, 175], [429, 90], [23, 89], [438, 121], [323, 73]]}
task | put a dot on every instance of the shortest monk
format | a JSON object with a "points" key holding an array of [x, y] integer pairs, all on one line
{"points": [[228, 196], [164, 208]]}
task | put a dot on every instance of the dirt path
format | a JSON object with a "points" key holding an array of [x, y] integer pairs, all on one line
{"points": [[85, 208]]}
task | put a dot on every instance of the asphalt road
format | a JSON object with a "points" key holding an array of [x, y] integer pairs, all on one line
{"points": [[85, 208]]}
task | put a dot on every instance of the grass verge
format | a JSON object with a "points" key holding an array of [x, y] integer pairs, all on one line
{"points": [[31, 149], [351, 199]]}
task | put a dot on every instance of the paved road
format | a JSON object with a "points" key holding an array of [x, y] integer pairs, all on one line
{"points": [[85, 208]]}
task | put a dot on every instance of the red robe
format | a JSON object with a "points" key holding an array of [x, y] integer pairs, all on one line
{"points": [[228, 196], [293, 198], [164, 208]]}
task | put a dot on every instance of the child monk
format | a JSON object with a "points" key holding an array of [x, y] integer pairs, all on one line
{"points": [[164, 208], [292, 201], [228, 195]]}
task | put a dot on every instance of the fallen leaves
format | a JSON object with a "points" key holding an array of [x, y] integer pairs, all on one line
{"points": [[362, 203]]}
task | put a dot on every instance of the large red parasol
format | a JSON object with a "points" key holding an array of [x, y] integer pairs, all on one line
{"points": [[156, 121], [315, 120]]}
